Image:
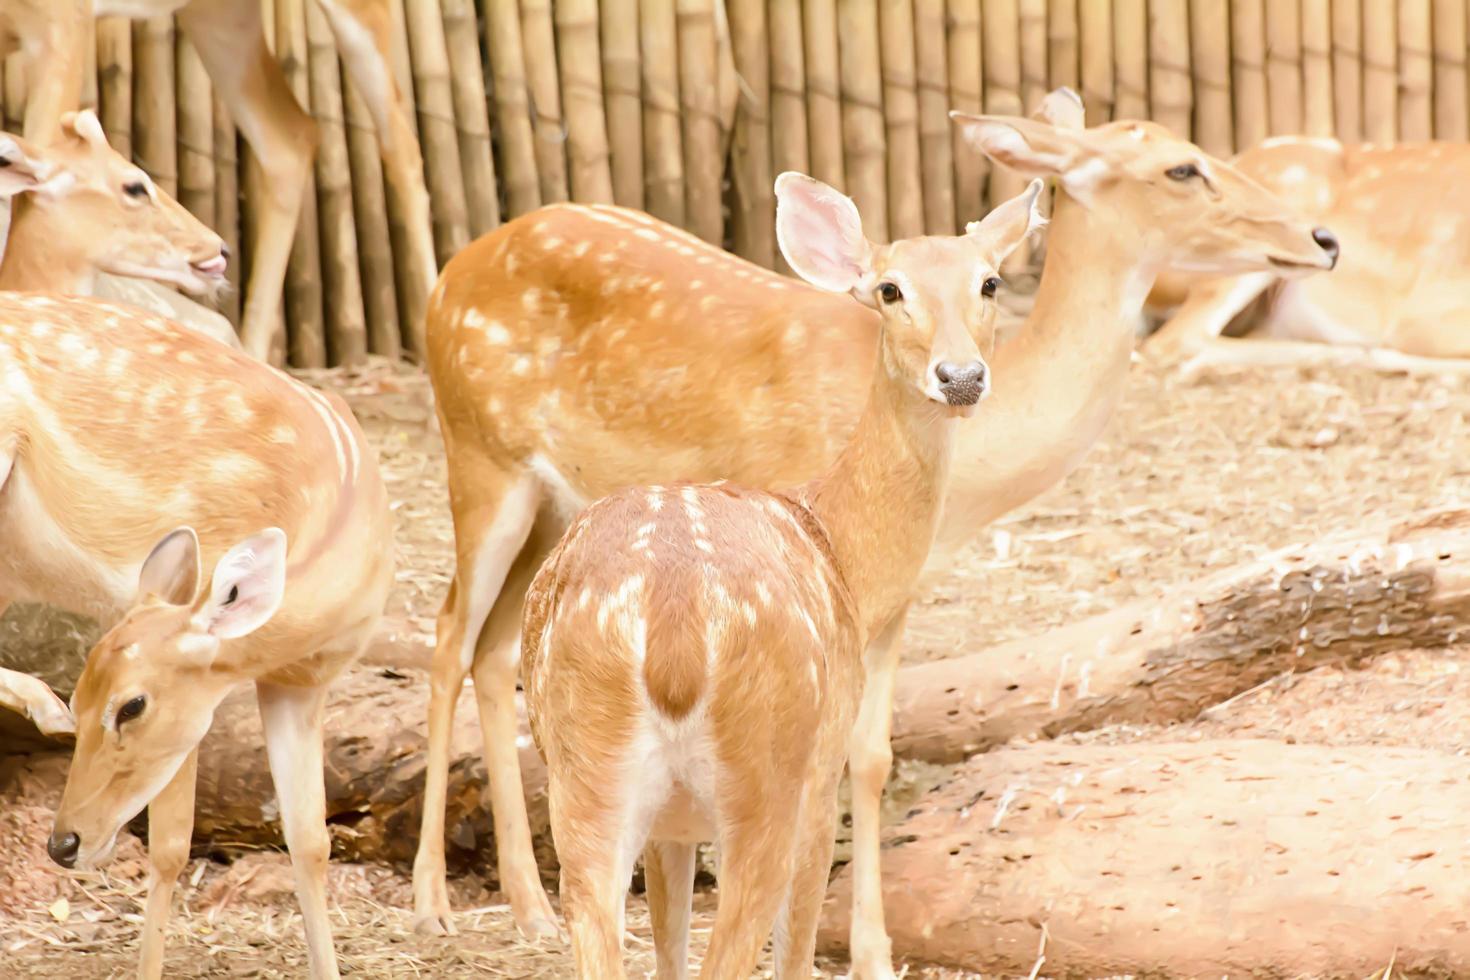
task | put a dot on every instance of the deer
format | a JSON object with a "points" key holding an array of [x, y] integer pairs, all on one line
{"points": [[1400, 299], [580, 349], [135, 457], [693, 653], [229, 36]]}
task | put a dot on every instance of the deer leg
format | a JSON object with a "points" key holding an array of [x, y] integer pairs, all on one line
{"points": [[364, 37], [170, 827], [229, 38], [487, 539], [796, 933], [869, 761], [756, 857], [668, 872], [292, 719], [593, 889], [1229, 352], [32, 697], [55, 64], [1203, 316]]}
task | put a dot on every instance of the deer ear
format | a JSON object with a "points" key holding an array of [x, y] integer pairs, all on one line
{"points": [[1006, 227], [85, 125], [1027, 146], [171, 570], [247, 587], [821, 233], [1061, 107]]}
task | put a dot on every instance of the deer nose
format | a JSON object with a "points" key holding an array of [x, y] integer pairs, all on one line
{"points": [[1328, 243], [962, 384], [63, 849]]}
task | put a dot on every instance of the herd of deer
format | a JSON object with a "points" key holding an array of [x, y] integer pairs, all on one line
{"points": [[700, 659]]}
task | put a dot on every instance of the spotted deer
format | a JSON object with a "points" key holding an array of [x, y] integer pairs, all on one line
{"points": [[135, 457], [693, 653], [1400, 294], [51, 36], [582, 349]]}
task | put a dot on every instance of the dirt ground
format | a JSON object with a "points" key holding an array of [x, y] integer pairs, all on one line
{"points": [[1188, 478]]}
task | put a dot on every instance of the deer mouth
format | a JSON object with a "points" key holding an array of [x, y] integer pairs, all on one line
{"points": [[212, 268], [1283, 264]]}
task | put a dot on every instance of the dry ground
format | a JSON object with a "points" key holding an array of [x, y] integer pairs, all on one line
{"points": [[1186, 479]]}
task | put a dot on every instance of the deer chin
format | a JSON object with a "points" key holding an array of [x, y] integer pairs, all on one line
{"points": [[205, 281], [1289, 268], [93, 858]]}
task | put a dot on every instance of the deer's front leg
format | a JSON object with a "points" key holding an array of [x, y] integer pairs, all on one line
{"points": [[170, 828], [292, 718], [869, 761], [30, 696]]}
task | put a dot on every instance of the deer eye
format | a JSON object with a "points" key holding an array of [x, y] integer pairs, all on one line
{"points": [[136, 189], [889, 293], [1182, 172], [989, 286], [4, 162], [130, 710]]}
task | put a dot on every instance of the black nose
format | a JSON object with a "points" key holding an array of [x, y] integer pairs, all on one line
{"points": [[962, 384], [63, 849], [1328, 241], [224, 250]]}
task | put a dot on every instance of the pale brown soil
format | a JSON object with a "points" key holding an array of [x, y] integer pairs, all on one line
{"points": [[1187, 479]]}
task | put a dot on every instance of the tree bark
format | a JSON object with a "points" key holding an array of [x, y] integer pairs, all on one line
{"points": [[1321, 861], [1167, 658]]}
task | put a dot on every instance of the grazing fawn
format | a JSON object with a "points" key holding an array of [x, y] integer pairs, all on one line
{"points": [[135, 456], [230, 39], [578, 350], [693, 653]]}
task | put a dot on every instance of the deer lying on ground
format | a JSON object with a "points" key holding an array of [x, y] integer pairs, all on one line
{"points": [[1400, 297], [134, 456], [693, 653], [578, 350], [228, 34]]}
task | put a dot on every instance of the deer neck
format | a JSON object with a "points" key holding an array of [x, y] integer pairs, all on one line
{"points": [[37, 256], [880, 501], [1058, 380]]}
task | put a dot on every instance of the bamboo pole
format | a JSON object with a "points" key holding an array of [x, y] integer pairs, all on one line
{"points": [[663, 146], [581, 94], [1380, 71], [195, 132], [1033, 26], [409, 290], [1209, 41], [155, 146], [227, 201], [253, 192], [727, 80], [1096, 24], [863, 139], [1001, 36], [1248, 72], [788, 91], [965, 93], [1450, 108], [823, 92], [374, 237], [517, 141], [1062, 44], [306, 337], [471, 119], [1168, 68], [1130, 59], [620, 82], [1416, 119], [437, 136], [901, 118], [346, 327], [1317, 68], [115, 82], [699, 101], [539, 43], [935, 153], [1347, 70], [754, 200], [1284, 66]]}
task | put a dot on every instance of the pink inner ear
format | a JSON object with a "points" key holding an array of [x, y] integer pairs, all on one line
{"points": [[821, 236]]}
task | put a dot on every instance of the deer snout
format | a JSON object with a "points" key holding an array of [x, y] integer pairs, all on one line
{"points": [[1327, 241], [214, 265], [64, 849], [962, 384]]}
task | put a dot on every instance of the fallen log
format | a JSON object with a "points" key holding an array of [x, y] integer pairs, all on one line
{"points": [[1244, 857], [1166, 659]]}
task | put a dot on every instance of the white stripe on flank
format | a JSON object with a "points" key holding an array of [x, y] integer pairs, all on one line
{"points": [[328, 417]]}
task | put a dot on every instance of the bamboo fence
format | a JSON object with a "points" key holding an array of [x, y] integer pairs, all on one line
{"points": [[689, 108]]}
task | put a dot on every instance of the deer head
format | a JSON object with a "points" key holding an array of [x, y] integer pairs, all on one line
{"points": [[151, 685], [1200, 213], [936, 295], [115, 219]]}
